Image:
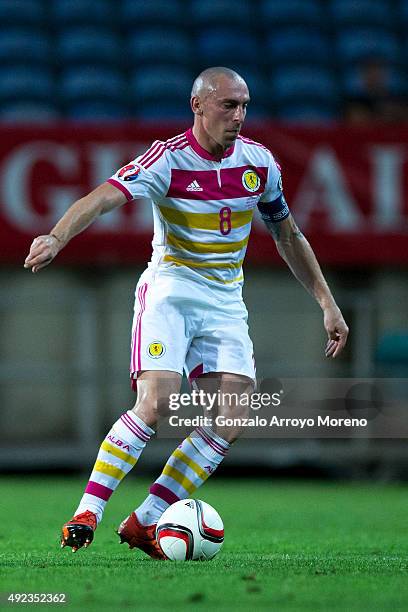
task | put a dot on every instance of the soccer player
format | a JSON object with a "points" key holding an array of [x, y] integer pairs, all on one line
{"points": [[189, 314]]}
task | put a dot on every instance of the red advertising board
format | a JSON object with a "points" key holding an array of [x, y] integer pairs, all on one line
{"points": [[347, 189]]}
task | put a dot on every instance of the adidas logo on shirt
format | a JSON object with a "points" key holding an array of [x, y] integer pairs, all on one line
{"points": [[194, 186]]}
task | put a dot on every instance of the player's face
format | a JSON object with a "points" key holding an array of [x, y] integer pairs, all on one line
{"points": [[224, 111]]}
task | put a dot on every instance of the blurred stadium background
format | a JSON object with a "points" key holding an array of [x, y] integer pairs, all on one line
{"points": [[85, 85]]}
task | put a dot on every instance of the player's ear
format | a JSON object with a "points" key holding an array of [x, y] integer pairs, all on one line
{"points": [[196, 105]]}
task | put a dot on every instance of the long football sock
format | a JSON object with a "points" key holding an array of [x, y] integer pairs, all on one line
{"points": [[118, 453], [189, 466]]}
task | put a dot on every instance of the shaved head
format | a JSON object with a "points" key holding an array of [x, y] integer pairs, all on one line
{"points": [[208, 79], [219, 101]]}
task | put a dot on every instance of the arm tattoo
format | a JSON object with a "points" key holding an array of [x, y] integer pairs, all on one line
{"points": [[297, 233], [274, 229]]}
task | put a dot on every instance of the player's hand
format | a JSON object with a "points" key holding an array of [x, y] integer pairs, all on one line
{"points": [[42, 252], [336, 329]]}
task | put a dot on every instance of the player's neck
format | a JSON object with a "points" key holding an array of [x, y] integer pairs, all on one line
{"points": [[206, 142]]}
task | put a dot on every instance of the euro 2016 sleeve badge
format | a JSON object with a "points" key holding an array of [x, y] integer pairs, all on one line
{"points": [[251, 180], [129, 172], [156, 349]]}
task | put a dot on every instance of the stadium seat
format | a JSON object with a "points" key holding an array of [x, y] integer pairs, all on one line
{"points": [[221, 46], [223, 13], [22, 12], [180, 111], [356, 44], [291, 12], [306, 45], [159, 111], [392, 354], [152, 45], [393, 347], [291, 84], [361, 13], [352, 81], [403, 11], [258, 113], [24, 46], [160, 83], [146, 13], [307, 113], [20, 83], [82, 12], [256, 81], [78, 84], [86, 45], [404, 54], [96, 110], [28, 112]]}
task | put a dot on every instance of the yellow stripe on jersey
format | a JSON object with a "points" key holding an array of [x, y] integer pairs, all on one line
{"points": [[109, 448], [180, 478], [226, 282], [203, 264], [110, 470], [190, 463], [206, 221], [206, 247]]}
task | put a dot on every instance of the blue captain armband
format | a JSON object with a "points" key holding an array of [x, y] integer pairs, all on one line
{"points": [[275, 211]]}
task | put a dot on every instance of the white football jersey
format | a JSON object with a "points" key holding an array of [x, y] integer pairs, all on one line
{"points": [[202, 207]]}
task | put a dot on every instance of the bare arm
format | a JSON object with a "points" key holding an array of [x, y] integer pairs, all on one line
{"points": [[299, 256], [81, 214]]}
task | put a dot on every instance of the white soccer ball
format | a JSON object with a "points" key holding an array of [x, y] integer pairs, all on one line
{"points": [[190, 529]]}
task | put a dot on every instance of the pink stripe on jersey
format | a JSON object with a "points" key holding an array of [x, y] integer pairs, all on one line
{"points": [[158, 148], [172, 142], [154, 146], [232, 183], [164, 493], [121, 188], [252, 142], [182, 145], [173, 138], [94, 488], [195, 145], [258, 144], [134, 428]]}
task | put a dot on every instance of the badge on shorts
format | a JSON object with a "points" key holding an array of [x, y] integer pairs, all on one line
{"points": [[156, 349], [251, 180]]}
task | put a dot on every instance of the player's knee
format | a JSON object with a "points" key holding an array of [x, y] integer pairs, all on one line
{"points": [[151, 407], [233, 417], [236, 404], [235, 411]]}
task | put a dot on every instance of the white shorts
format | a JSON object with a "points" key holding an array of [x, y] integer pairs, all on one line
{"points": [[182, 324]]}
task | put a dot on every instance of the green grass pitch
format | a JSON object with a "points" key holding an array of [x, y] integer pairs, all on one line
{"points": [[288, 546]]}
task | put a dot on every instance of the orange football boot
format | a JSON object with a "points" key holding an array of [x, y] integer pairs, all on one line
{"points": [[79, 531], [139, 536]]}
